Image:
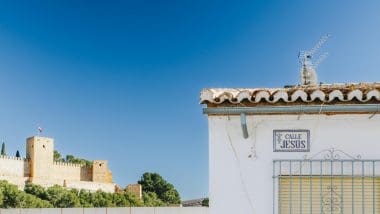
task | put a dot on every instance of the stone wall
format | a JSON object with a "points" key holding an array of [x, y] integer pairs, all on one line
{"points": [[91, 186], [14, 170], [87, 185], [12, 166], [135, 189], [17, 171], [86, 173], [66, 171], [122, 210], [40, 152], [100, 172]]}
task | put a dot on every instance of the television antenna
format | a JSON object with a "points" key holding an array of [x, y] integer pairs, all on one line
{"points": [[308, 67]]}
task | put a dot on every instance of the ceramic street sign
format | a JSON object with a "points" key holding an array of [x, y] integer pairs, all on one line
{"points": [[291, 140]]}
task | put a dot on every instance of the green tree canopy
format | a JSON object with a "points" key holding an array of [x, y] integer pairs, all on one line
{"points": [[154, 183], [151, 200], [71, 159], [58, 156], [62, 197], [205, 202], [156, 192], [14, 198]]}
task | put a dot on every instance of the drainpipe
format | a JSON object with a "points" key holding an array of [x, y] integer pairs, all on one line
{"points": [[243, 121]]}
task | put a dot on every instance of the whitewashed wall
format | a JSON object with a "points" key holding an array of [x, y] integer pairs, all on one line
{"points": [[125, 210], [242, 185]]}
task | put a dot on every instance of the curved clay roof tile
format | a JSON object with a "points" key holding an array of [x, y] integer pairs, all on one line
{"points": [[299, 94], [280, 95], [328, 93]]}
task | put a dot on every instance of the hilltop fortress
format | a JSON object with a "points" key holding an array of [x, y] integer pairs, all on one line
{"points": [[39, 168]]}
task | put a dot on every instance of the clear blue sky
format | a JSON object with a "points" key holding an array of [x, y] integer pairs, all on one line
{"points": [[121, 80]]}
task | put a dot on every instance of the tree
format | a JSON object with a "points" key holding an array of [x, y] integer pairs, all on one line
{"points": [[205, 202], [131, 200], [58, 196], [25, 200], [10, 193], [1, 197], [156, 192], [151, 200], [36, 190], [13, 198], [3, 152], [57, 156], [62, 198], [72, 159], [102, 199], [154, 183], [18, 154], [85, 198]]}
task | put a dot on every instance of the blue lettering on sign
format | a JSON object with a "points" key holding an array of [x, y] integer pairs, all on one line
{"points": [[297, 140]]}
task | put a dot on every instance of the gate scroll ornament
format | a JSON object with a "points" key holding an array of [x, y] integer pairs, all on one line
{"points": [[331, 201], [333, 155]]}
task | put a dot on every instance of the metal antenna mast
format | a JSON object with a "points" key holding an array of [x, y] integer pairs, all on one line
{"points": [[308, 68]]}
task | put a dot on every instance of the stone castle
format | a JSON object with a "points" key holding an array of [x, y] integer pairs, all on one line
{"points": [[40, 168]]}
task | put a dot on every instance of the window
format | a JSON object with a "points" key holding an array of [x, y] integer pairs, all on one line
{"points": [[326, 186], [329, 195]]}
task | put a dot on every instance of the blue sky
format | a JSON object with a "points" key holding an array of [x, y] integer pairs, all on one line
{"points": [[121, 80]]}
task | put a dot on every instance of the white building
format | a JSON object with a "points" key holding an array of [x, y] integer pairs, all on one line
{"points": [[302, 149]]}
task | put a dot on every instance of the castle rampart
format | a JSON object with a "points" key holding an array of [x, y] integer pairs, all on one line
{"points": [[13, 166], [39, 168]]}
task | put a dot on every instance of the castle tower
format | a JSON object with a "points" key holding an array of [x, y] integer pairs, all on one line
{"points": [[100, 172], [40, 151]]}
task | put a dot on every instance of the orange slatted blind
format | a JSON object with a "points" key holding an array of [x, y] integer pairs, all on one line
{"points": [[328, 195]]}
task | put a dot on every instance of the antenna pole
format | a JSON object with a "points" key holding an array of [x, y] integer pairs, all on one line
{"points": [[322, 41], [308, 73]]}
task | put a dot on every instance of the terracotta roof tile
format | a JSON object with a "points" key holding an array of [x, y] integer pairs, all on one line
{"points": [[327, 93]]}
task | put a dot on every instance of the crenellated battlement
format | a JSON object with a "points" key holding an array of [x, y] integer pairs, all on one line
{"points": [[68, 164], [13, 158]]}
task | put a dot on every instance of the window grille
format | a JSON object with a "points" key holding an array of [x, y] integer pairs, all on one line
{"points": [[327, 185]]}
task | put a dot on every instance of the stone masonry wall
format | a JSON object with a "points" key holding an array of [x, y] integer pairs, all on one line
{"points": [[86, 173], [100, 172], [135, 189], [66, 171], [14, 170], [92, 186], [12, 166]]}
